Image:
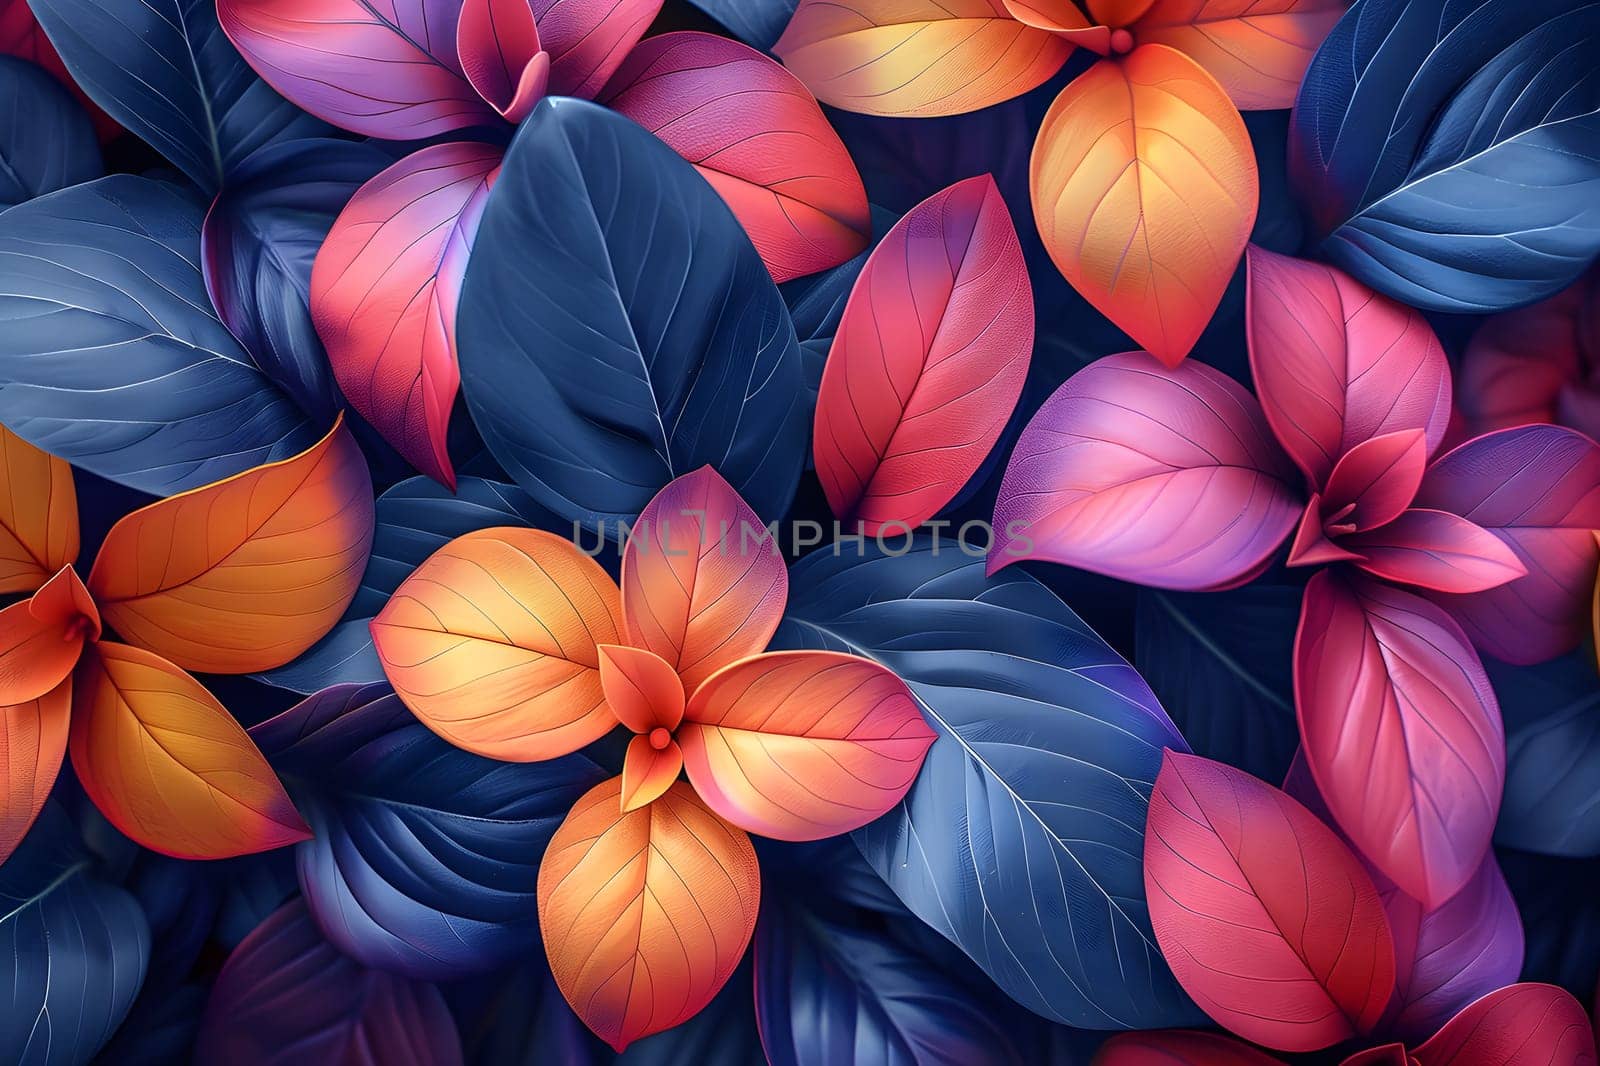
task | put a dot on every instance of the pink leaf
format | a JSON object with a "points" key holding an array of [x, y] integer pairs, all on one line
{"points": [[385, 70], [1159, 476], [757, 135], [588, 39], [1401, 731], [1436, 550], [498, 44], [1265, 916], [1336, 364], [1520, 1025], [928, 361], [384, 293], [1537, 488]]}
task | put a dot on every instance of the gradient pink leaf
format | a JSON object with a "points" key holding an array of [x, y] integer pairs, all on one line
{"points": [[1156, 475], [498, 45], [384, 292], [928, 361], [588, 39], [1265, 916], [1438, 551], [1537, 488], [386, 69], [1520, 1025], [757, 135], [1377, 479], [1401, 731], [1336, 364]]}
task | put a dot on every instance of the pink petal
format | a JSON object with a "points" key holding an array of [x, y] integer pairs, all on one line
{"points": [[757, 135], [1156, 475], [498, 45], [1438, 551], [1336, 364], [1537, 488], [588, 39], [384, 292], [1378, 478], [1311, 545], [1401, 731]]}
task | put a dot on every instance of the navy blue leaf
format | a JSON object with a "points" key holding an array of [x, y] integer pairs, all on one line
{"points": [[46, 140], [160, 1029], [76, 950], [110, 354], [180, 901], [1222, 665], [1560, 918], [1449, 151], [1552, 717], [723, 1033], [758, 23], [165, 70], [1023, 838], [344, 657], [617, 328], [426, 857], [287, 998], [259, 242], [254, 887], [519, 1019]]}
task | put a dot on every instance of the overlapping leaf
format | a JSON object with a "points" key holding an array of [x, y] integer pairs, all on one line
{"points": [[46, 139]]}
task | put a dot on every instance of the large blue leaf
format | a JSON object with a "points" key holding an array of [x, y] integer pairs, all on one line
{"points": [[1552, 717], [758, 23], [287, 998], [260, 240], [110, 354], [1023, 838], [426, 857], [1449, 150], [165, 70], [46, 140], [617, 328], [76, 950]]}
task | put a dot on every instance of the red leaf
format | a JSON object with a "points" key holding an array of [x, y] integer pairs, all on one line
{"points": [[1378, 478], [1265, 916], [498, 44], [1520, 1025]]}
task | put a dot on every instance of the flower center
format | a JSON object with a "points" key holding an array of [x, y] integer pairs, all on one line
{"points": [[1121, 42], [660, 738]]}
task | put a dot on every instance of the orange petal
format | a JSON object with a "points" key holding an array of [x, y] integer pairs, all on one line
{"points": [[38, 515], [1062, 18], [1144, 189], [916, 57], [645, 913], [703, 583], [168, 765], [245, 574], [642, 688], [33, 737], [63, 601], [36, 654], [1119, 12], [1257, 50], [492, 643], [802, 745], [648, 771]]}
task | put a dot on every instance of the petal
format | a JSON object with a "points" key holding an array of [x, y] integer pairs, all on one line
{"points": [[38, 515], [1156, 476], [168, 765], [642, 688], [928, 360], [757, 135], [1144, 190], [1401, 732], [1336, 364], [1257, 51], [33, 737], [1118, 12], [1436, 550], [497, 42], [492, 643], [1379, 477], [703, 583], [803, 745], [648, 772], [916, 57], [384, 291], [64, 600], [245, 574], [1519, 1025], [1311, 546], [645, 913], [588, 39], [1062, 18], [35, 655]]}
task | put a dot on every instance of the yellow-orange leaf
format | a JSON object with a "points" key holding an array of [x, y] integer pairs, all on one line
{"points": [[168, 765], [645, 913], [492, 643], [33, 737], [916, 57], [38, 514], [1257, 50], [1144, 190], [245, 574]]}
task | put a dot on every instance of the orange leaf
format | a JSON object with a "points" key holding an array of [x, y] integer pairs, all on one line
{"points": [[916, 57], [1257, 50], [41, 638], [802, 745], [647, 770], [703, 584], [492, 643], [1063, 18], [38, 515], [646, 913], [1144, 189], [245, 574], [168, 765], [643, 690], [1117, 12], [33, 737]]}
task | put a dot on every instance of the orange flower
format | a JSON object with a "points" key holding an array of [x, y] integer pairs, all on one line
{"points": [[234, 577], [513, 644]]}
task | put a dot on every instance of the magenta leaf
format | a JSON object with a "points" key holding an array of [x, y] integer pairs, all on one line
{"points": [[588, 39], [1436, 550]]}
